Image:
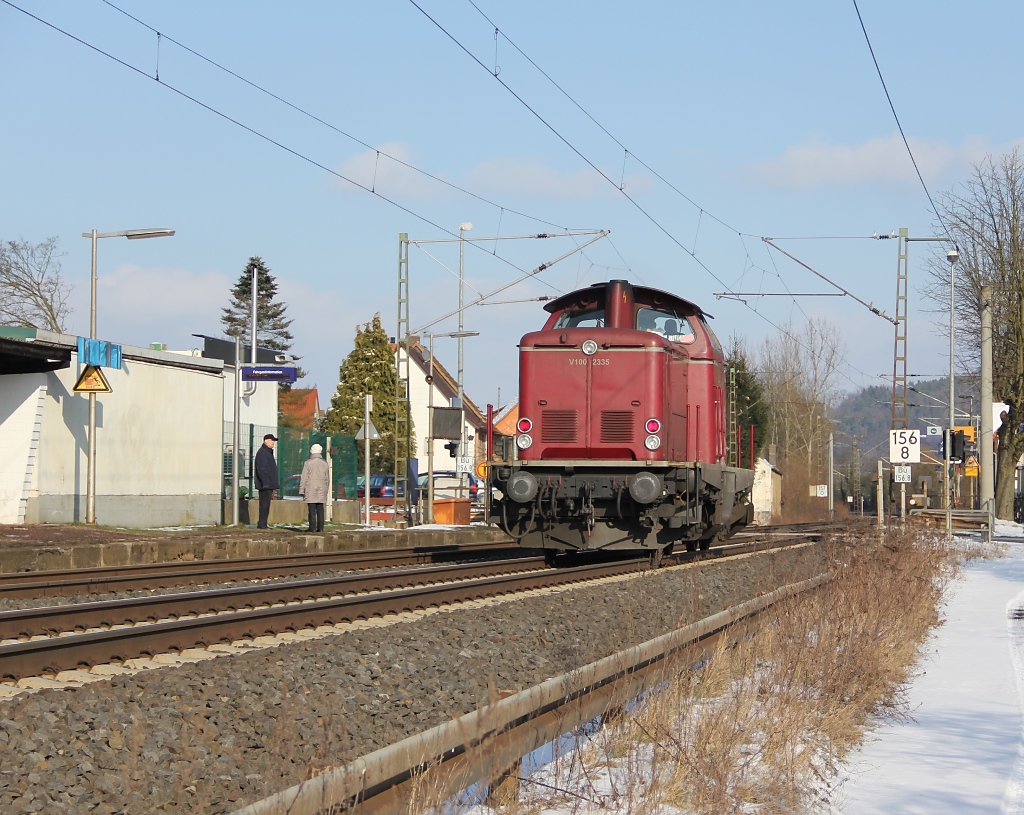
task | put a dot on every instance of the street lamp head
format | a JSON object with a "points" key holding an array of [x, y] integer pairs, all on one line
{"points": [[138, 234], [465, 227], [952, 256]]}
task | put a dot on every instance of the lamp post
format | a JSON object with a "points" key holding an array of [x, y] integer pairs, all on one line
{"points": [[430, 417], [951, 257], [90, 477]]}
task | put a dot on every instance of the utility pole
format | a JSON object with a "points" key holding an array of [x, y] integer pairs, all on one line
{"points": [[831, 477], [985, 451], [858, 499]]}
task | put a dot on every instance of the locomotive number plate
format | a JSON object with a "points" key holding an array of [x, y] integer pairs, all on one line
{"points": [[594, 361]]}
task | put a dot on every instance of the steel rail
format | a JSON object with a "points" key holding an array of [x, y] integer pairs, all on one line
{"points": [[479, 746], [140, 576], [70, 651], [51, 620]]}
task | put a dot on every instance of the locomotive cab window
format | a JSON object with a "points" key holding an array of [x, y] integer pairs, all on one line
{"points": [[668, 324], [590, 318]]}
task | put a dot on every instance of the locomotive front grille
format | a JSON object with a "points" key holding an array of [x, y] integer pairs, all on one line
{"points": [[558, 426], [617, 426]]}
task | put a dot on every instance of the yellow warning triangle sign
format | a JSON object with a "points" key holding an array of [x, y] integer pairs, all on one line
{"points": [[92, 380]]}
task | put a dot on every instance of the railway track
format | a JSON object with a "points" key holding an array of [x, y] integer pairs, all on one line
{"points": [[69, 637], [71, 651]]}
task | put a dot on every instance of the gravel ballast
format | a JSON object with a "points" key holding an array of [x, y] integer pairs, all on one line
{"points": [[213, 736]]}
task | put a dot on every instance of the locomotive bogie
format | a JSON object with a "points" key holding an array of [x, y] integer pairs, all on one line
{"points": [[576, 506]]}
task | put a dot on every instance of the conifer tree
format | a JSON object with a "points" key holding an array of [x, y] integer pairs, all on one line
{"points": [[369, 369], [271, 323], [751, 400]]}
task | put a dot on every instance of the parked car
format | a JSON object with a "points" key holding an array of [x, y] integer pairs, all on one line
{"points": [[385, 488], [375, 484]]}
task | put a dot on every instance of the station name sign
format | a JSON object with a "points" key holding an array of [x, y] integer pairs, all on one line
{"points": [[251, 373]]}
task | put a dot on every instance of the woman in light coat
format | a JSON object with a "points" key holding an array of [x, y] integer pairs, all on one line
{"points": [[314, 487]]}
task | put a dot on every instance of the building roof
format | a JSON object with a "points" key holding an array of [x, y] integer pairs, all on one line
{"points": [[505, 419], [224, 349], [27, 346], [299, 408]]}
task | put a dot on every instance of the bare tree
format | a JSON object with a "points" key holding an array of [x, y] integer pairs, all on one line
{"points": [[799, 372], [32, 291], [985, 218]]}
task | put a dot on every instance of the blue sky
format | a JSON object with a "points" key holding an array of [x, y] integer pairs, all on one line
{"points": [[769, 118]]}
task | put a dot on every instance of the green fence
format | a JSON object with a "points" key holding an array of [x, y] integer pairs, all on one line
{"points": [[291, 452]]}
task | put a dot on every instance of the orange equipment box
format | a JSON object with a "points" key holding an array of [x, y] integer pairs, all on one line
{"points": [[451, 511]]}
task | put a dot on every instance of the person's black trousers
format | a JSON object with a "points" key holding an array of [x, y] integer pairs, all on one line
{"points": [[265, 496], [316, 517]]}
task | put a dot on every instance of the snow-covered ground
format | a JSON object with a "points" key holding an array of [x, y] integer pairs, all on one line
{"points": [[962, 752], [958, 755]]}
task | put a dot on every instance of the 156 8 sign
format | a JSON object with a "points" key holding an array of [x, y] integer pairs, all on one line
{"points": [[904, 446]]}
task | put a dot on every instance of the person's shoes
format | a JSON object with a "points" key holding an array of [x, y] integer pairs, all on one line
{"points": [[262, 527], [310, 530]]}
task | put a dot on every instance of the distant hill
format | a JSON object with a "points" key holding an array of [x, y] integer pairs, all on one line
{"points": [[867, 414]]}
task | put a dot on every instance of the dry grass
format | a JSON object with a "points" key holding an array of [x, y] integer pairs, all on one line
{"points": [[760, 726]]}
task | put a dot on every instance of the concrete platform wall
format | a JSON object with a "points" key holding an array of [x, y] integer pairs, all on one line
{"points": [[38, 557]]}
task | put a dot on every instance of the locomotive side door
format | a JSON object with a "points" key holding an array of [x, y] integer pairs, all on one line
{"points": [[676, 405]]}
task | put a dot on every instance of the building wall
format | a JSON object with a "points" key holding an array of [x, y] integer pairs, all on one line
{"points": [[158, 445], [21, 406], [766, 494]]}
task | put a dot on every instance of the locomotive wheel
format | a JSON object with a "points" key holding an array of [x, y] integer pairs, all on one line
{"points": [[549, 557]]}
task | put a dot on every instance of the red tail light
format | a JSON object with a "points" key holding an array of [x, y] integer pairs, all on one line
{"points": [[653, 425], [524, 425]]}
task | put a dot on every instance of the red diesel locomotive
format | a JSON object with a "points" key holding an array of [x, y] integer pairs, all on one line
{"points": [[622, 428]]}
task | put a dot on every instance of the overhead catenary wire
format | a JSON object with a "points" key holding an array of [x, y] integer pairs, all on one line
{"points": [[870, 307], [420, 217], [325, 123], [899, 125], [653, 220], [253, 131]]}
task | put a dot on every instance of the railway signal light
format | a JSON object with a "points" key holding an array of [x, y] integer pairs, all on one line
{"points": [[957, 448], [453, 448]]}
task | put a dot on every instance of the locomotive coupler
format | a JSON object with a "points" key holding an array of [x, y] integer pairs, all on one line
{"points": [[587, 504]]}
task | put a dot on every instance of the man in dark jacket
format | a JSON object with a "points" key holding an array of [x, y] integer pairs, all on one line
{"points": [[265, 475]]}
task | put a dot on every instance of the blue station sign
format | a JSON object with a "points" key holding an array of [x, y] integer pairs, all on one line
{"points": [[98, 353], [251, 373]]}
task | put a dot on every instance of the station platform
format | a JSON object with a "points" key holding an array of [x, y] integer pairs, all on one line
{"points": [[38, 547]]}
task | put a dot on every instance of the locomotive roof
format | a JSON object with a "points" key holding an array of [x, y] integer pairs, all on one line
{"points": [[641, 294]]}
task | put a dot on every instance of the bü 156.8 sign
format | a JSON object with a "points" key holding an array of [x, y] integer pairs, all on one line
{"points": [[904, 446]]}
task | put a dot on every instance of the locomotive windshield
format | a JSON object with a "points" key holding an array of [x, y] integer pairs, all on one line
{"points": [[714, 339], [588, 318], [668, 324]]}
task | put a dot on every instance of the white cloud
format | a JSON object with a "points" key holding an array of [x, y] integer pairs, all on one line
{"points": [[137, 306], [819, 164], [501, 176], [507, 176], [379, 171]]}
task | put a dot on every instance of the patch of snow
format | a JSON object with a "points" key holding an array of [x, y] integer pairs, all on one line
{"points": [[960, 749]]}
